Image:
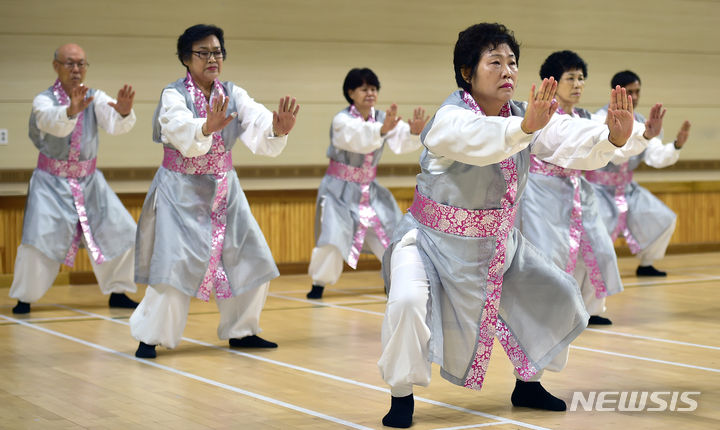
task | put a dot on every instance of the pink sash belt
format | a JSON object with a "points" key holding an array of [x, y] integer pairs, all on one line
{"points": [[208, 164], [361, 175], [461, 222], [66, 168], [618, 180], [609, 178]]}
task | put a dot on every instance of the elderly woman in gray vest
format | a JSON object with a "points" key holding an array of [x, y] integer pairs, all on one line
{"points": [[354, 213], [458, 274], [69, 203], [196, 234], [628, 209], [559, 212]]}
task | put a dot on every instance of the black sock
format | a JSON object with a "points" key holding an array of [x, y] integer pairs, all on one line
{"points": [[598, 320], [316, 292], [21, 308], [401, 412], [533, 395], [145, 351], [121, 300], [252, 342]]}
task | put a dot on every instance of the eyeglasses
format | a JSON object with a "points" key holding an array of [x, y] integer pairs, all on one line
{"points": [[82, 65], [205, 55]]}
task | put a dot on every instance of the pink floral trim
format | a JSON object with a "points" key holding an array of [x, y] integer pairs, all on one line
{"points": [[351, 174], [514, 352], [73, 169], [578, 239], [211, 163], [215, 274], [459, 221], [217, 161], [619, 180], [364, 175], [561, 111], [83, 224], [66, 168], [548, 169], [470, 101]]}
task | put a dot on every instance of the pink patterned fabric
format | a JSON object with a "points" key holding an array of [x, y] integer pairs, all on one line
{"points": [[72, 169], [561, 111], [364, 175], [351, 174], [212, 163], [467, 98], [66, 168], [578, 239], [459, 221], [619, 180], [514, 352], [218, 162]]}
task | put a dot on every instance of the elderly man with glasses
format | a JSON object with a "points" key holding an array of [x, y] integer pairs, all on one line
{"points": [[69, 203]]}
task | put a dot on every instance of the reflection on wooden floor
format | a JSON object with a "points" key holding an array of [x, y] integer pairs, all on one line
{"points": [[70, 363]]}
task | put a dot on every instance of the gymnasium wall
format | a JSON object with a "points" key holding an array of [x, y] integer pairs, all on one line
{"points": [[305, 48]]}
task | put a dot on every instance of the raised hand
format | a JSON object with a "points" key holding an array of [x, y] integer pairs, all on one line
{"points": [[620, 116], [124, 103], [418, 121], [391, 120], [540, 107], [653, 125], [217, 117], [682, 135], [78, 102], [284, 118]]}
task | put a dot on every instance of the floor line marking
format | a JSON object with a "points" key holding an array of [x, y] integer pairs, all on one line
{"points": [[655, 339], [654, 360], [191, 375], [326, 375]]}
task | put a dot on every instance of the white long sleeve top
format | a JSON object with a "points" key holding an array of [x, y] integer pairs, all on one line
{"points": [[462, 135], [181, 129], [363, 137], [52, 119]]}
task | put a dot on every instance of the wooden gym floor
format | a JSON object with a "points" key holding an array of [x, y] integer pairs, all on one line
{"points": [[69, 364]]}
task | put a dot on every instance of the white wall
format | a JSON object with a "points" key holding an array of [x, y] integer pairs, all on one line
{"points": [[305, 48]]}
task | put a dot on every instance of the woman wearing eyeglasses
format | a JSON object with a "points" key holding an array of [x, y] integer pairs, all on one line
{"points": [[196, 233]]}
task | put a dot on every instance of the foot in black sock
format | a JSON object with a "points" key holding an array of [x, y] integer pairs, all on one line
{"points": [[145, 351], [401, 412], [533, 395], [252, 342], [21, 308], [120, 300], [315, 292], [598, 320], [649, 271]]}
